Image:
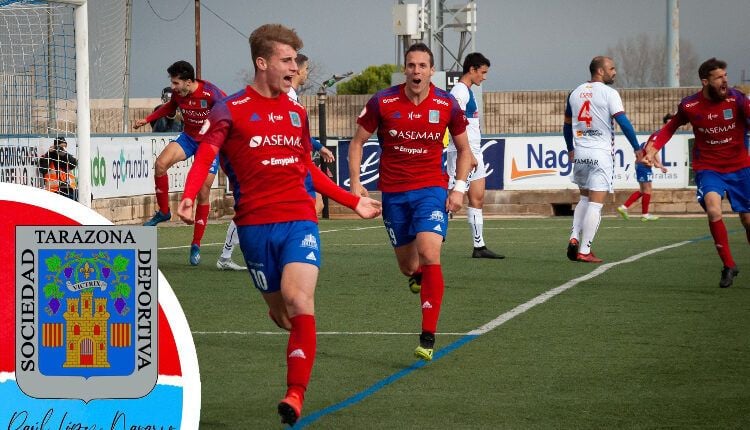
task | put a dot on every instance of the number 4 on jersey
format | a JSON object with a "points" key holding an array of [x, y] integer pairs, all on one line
{"points": [[584, 115]]}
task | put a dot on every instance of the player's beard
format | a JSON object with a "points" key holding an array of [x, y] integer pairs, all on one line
{"points": [[714, 94]]}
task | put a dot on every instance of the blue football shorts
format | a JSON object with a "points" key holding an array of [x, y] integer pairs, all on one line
{"points": [[267, 248], [408, 213], [736, 185], [190, 146], [643, 173]]}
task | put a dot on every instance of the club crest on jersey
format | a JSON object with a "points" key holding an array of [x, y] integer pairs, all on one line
{"points": [[294, 117], [434, 117], [254, 117], [728, 114], [204, 104], [86, 311]]}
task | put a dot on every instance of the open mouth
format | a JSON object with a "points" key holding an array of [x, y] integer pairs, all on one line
{"points": [[417, 81], [288, 79]]}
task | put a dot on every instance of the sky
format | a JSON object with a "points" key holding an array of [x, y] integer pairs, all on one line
{"points": [[532, 44]]}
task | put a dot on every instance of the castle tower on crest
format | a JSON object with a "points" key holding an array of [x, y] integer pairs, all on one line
{"points": [[86, 331]]}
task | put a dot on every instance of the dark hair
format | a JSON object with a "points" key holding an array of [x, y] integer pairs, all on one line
{"points": [[59, 141], [420, 47], [262, 40], [475, 60], [166, 90], [301, 59], [709, 66], [181, 70], [666, 118], [597, 63]]}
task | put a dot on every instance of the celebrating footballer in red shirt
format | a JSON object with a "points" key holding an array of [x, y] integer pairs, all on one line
{"points": [[195, 98], [410, 120], [264, 141], [719, 116]]}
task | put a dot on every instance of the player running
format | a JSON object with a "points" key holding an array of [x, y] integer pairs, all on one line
{"points": [[410, 120], [195, 98], [719, 116], [264, 139]]}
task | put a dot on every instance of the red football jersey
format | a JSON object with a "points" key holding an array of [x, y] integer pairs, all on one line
{"points": [[719, 129], [411, 136], [265, 151], [195, 107]]}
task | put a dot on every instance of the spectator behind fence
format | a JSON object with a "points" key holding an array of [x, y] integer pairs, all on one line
{"points": [[56, 167], [167, 124]]}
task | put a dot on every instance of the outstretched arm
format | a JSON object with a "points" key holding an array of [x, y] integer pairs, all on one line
{"points": [[196, 177], [167, 109], [365, 207]]}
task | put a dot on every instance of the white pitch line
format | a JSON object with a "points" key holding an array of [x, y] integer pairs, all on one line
{"points": [[497, 322], [518, 310]]}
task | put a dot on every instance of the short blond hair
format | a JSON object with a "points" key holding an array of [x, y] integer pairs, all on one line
{"points": [[262, 40]]}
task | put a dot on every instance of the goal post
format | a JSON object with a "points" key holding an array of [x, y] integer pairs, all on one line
{"points": [[83, 117], [44, 70]]}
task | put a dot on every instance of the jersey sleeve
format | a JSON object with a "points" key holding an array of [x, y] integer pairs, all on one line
{"points": [[568, 109], [217, 126], [461, 93], [615, 103], [457, 122], [217, 94], [662, 136], [167, 109], [743, 103], [369, 118], [324, 185]]}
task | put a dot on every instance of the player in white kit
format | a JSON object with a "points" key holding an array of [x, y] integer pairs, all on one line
{"points": [[589, 133]]}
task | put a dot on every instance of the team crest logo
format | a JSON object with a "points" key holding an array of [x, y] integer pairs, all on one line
{"points": [[728, 114], [434, 117], [294, 117], [204, 104], [86, 311]]}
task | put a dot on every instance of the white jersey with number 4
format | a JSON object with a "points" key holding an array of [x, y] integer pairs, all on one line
{"points": [[593, 106]]}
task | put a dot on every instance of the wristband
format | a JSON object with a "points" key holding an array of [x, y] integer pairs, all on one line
{"points": [[460, 186]]}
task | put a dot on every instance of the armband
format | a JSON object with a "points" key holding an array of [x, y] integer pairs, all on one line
{"points": [[461, 186]]}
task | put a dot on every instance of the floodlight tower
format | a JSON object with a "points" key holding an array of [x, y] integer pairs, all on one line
{"points": [[426, 21]]}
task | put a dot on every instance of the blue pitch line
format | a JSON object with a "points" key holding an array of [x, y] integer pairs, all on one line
{"points": [[374, 388]]}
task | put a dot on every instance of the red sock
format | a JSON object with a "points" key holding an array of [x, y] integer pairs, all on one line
{"points": [[721, 241], [162, 193], [201, 220], [431, 296], [633, 197], [300, 354], [645, 202]]}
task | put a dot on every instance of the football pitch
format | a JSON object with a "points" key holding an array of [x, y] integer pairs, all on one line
{"points": [[646, 340]]}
